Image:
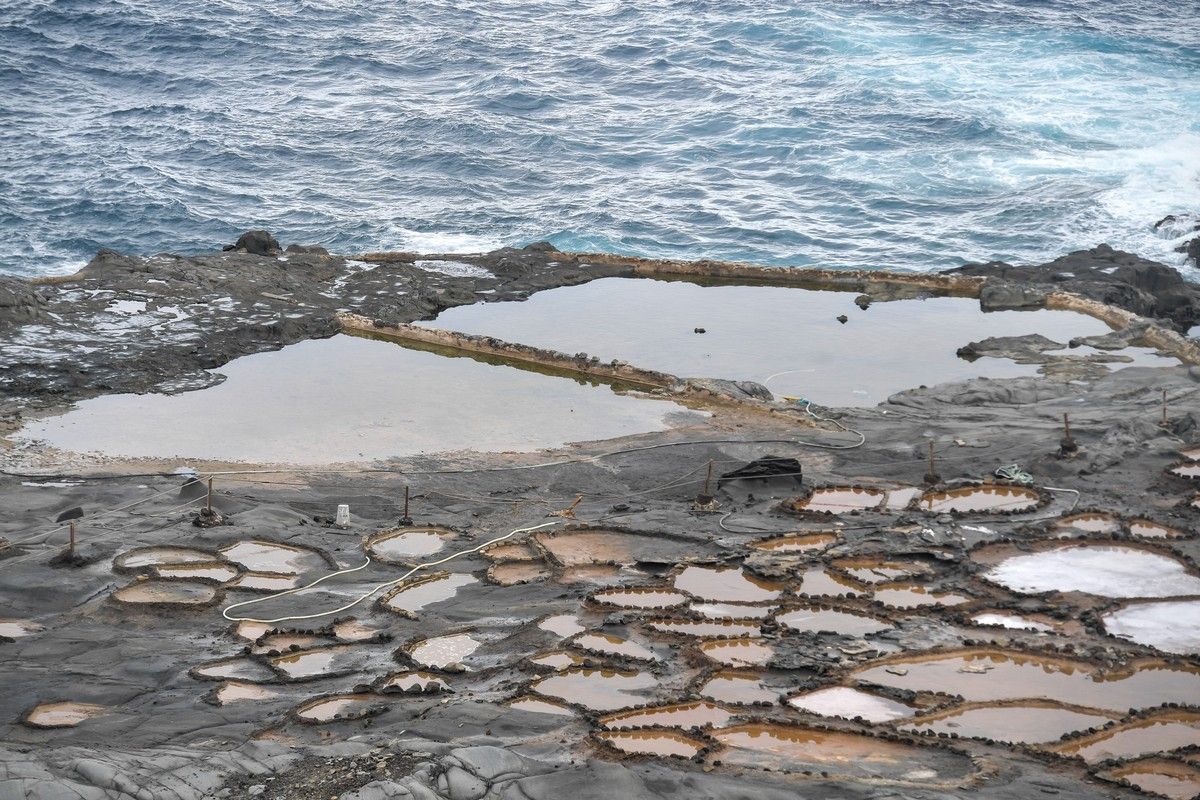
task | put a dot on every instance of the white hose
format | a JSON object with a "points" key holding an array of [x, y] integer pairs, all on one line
{"points": [[364, 565]]}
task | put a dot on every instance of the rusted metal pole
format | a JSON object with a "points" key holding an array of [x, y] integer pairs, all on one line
{"points": [[932, 471], [1164, 406], [72, 548], [1067, 426], [708, 479], [210, 480], [406, 502]]}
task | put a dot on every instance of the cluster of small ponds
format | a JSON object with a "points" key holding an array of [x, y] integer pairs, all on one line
{"points": [[720, 635]]}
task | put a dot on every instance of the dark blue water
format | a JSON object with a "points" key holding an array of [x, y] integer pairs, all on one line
{"points": [[896, 134]]}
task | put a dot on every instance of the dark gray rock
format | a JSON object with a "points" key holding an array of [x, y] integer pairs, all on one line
{"points": [[1110, 276], [259, 243]]}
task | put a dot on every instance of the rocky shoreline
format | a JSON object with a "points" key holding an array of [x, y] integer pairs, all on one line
{"points": [[900, 569], [158, 323]]}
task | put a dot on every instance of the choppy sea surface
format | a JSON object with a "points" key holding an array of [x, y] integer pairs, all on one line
{"points": [[900, 133]]}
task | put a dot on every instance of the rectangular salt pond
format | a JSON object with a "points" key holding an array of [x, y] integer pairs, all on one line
{"points": [[786, 337], [353, 399]]}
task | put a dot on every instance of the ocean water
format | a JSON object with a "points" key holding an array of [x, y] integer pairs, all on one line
{"points": [[910, 134]]}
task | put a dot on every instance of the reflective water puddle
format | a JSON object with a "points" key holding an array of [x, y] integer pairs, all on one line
{"points": [[442, 651], [561, 625], [1155, 735], [407, 544], [890, 347], [738, 688], [822, 582], [1172, 626], [340, 707], [16, 628], [512, 551], [576, 548], [408, 599], [354, 631], [652, 743], [252, 630], [211, 570], [848, 703], [1104, 570], [1021, 723], [871, 571], [914, 595], [609, 645], [1011, 621], [840, 500], [969, 499], [411, 682], [179, 593], [1171, 779], [62, 714], [513, 573], [821, 620], [236, 691], [984, 674], [558, 659], [259, 556], [265, 582], [1189, 470], [154, 556], [713, 628], [597, 689], [237, 669], [796, 543], [537, 705], [281, 643], [732, 611], [314, 663], [737, 652], [1148, 529], [1090, 522], [391, 402], [726, 584], [698, 714], [841, 754], [640, 597]]}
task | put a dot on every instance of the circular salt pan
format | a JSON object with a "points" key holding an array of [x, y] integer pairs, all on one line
{"points": [[407, 543], [841, 500], [347, 706], [62, 715], [1006, 499], [1173, 626], [1106, 571], [173, 592], [154, 556]]}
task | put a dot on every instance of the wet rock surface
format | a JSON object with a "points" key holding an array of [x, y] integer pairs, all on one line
{"points": [[1111, 276], [632, 581]]}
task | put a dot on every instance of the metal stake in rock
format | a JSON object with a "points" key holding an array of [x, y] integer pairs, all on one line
{"points": [[1067, 446], [1165, 423], [931, 477], [208, 517], [406, 520], [705, 500]]}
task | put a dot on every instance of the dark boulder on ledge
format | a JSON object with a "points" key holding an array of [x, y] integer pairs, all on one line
{"points": [[259, 243], [1110, 276]]}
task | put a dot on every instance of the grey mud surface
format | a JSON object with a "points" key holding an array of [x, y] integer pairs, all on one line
{"points": [[162, 732]]}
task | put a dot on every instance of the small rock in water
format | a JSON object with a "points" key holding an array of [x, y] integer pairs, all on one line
{"points": [[842, 318], [699, 330]]}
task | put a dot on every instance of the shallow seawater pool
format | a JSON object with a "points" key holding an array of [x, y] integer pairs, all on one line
{"points": [[788, 338], [353, 399]]}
